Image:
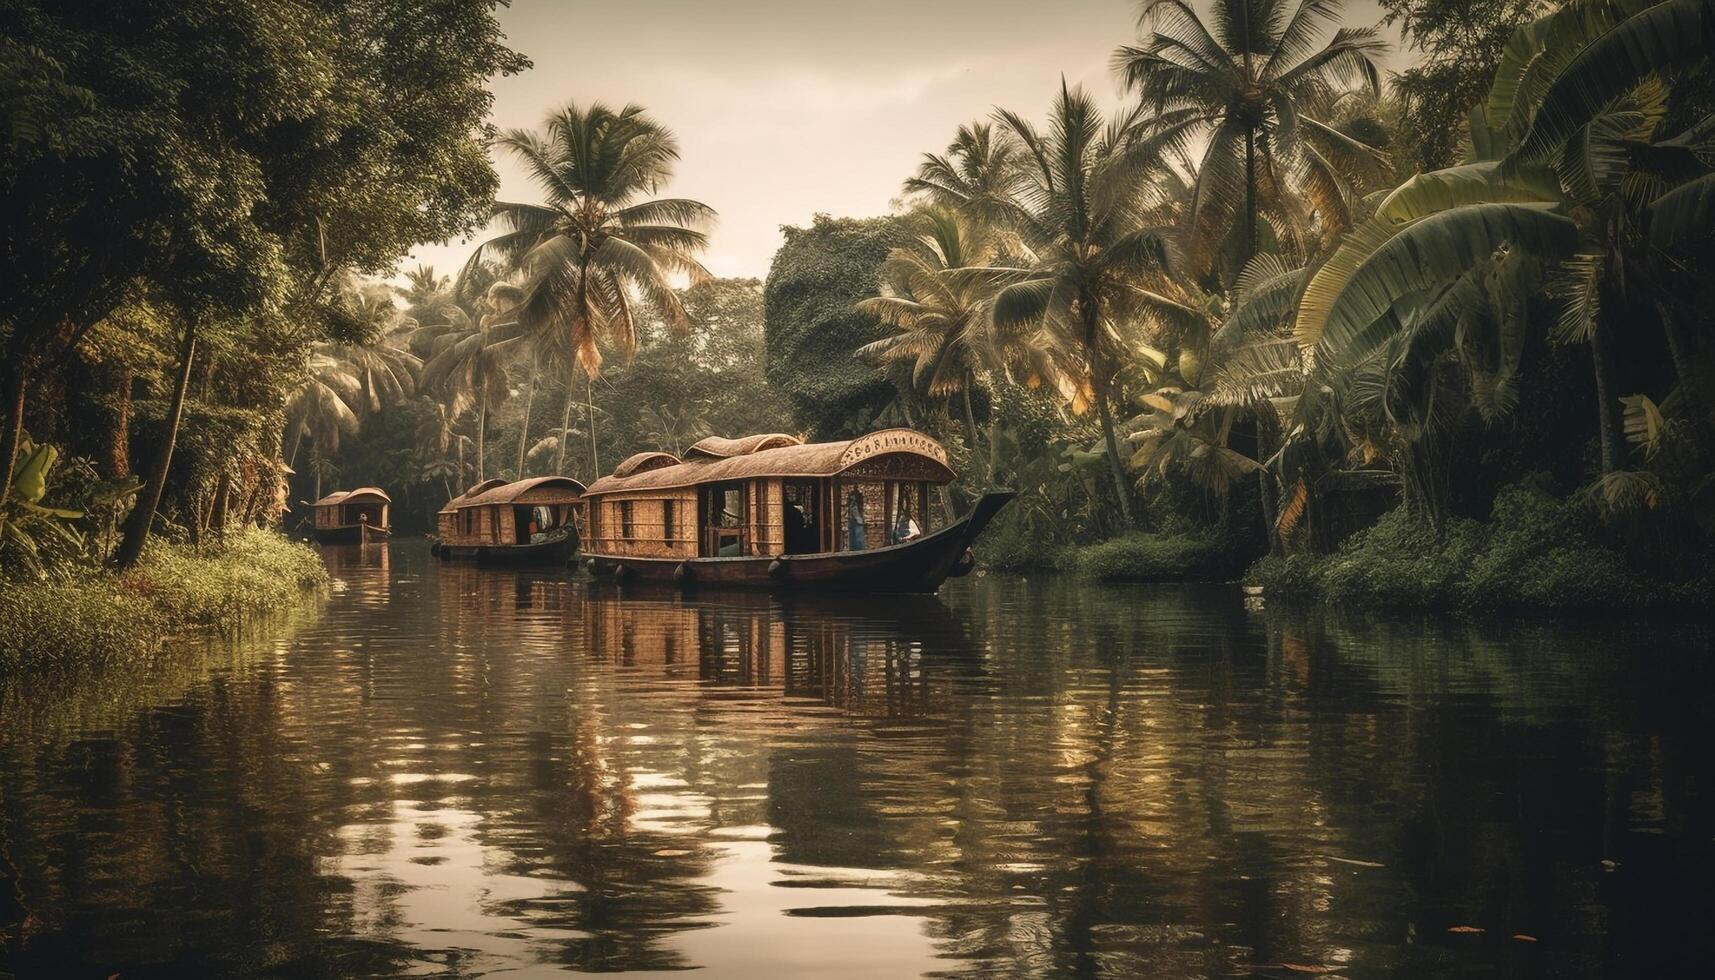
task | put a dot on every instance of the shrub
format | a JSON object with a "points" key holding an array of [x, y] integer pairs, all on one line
{"points": [[1215, 555]]}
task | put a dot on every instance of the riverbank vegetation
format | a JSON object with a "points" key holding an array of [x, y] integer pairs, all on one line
{"points": [[90, 616], [1281, 312], [1274, 309]]}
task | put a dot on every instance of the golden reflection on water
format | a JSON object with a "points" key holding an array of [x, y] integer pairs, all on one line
{"points": [[458, 771]]}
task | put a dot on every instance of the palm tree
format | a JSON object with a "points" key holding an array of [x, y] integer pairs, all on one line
{"points": [[469, 359], [979, 172], [1251, 82], [936, 291], [423, 287], [1080, 213], [599, 250], [323, 406]]}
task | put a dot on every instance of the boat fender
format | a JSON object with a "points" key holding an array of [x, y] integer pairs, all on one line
{"points": [[682, 574], [620, 572], [435, 549], [776, 569]]}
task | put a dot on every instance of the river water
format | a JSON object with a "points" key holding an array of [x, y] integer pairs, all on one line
{"points": [[451, 771]]}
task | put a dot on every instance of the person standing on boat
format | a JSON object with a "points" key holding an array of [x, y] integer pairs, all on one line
{"points": [[854, 522], [904, 529]]}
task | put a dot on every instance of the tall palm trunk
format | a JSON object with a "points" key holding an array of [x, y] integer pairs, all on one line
{"points": [[1679, 349], [565, 427], [143, 515], [595, 460], [971, 425], [1250, 198], [1607, 420], [524, 429], [222, 501], [481, 434], [1101, 379]]}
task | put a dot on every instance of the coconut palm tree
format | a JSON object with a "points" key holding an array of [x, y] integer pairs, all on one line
{"points": [[1081, 216], [979, 171], [936, 292], [1253, 75], [323, 406], [468, 361], [599, 249]]}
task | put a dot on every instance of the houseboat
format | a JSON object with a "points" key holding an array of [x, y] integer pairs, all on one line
{"points": [[351, 516], [769, 511], [533, 522]]}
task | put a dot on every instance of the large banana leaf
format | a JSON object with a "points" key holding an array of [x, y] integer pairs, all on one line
{"points": [[1684, 215], [1418, 198], [1665, 36], [1538, 51], [1436, 250]]}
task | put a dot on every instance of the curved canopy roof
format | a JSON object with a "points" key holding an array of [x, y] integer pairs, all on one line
{"points": [[719, 447], [819, 459], [643, 462], [507, 493], [464, 498], [358, 496]]}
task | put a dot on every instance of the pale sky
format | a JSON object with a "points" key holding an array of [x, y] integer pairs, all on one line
{"points": [[784, 108]]}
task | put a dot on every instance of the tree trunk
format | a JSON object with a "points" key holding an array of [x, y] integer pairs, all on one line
{"points": [[971, 429], [14, 434], [1679, 348], [1117, 468], [565, 434], [1607, 420], [595, 459], [222, 491], [143, 515], [524, 430], [481, 434], [1101, 379], [1250, 199], [118, 455]]}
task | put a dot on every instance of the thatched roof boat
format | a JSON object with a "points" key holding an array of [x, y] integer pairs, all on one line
{"points": [[352, 516], [771, 511], [531, 521]]}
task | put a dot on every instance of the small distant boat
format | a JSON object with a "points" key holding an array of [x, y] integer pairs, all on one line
{"points": [[352, 516], [768, 511], [528, 522]]}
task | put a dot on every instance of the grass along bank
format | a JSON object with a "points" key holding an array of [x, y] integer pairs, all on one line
{"points": [[96, 616]]}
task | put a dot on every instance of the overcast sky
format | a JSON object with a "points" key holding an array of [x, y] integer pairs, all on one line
{"points": [[784, 108]]}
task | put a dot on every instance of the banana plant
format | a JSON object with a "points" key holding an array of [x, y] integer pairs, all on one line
{"points": [[31, 532]]}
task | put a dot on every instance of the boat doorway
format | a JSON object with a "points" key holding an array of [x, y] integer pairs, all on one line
{"points": [[724, 515], [803, 516]]}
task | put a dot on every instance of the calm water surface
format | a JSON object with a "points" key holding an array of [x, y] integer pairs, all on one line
{"points": [[447, 771]]}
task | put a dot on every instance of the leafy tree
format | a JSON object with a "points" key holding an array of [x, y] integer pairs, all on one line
{"points": [[813, 326], [1461, 41], [229, 159]]}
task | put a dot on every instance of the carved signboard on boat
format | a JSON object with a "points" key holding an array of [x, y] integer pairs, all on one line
{"points": [[891, 441]]}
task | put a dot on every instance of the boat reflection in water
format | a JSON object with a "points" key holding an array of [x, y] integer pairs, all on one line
{"points": [[458, 771]]}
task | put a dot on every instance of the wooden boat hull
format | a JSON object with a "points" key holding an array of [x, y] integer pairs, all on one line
{"points": [[350, 534], [547, 553], [918, 566]]}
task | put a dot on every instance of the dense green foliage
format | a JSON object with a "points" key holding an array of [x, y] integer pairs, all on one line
{"points": [[189, 187], [1217, 556], [818, 276], [93, 617], [1533, 551]]}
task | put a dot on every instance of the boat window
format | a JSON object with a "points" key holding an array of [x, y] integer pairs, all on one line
{"points": [[667, 523], [626, 530], [467, 520]]}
